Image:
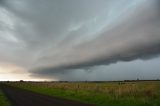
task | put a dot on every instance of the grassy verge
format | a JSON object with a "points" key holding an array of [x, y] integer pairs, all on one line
{"points": [[105, 94], [3, 100]]}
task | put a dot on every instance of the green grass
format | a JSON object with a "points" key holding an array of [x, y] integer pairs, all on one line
{"points": [[101, 94], [3, 100]]}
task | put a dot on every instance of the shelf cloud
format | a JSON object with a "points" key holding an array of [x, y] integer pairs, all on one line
{"points": [[54, 38]]}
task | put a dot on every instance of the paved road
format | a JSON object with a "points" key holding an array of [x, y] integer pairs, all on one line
{"points": [[19, 97]]}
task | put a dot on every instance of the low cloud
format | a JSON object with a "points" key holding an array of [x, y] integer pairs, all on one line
{"points": [[57, 38]]}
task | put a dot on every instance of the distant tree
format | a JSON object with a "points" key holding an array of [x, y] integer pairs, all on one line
{"points": [[21, 81]]}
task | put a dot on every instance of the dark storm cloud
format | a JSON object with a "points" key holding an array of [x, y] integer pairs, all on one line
{"points": [[136, 38], [57, 37], [139, 54], [1, 2]]}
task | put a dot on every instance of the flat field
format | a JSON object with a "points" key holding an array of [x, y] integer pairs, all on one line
{"points": [[140, 93]]}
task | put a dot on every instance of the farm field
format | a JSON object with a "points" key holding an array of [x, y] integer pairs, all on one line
{"points": [[141, 93]]}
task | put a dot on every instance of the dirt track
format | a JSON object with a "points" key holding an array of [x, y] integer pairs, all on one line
{"points": [[19, 97]]}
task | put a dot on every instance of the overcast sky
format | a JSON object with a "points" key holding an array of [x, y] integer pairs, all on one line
{"points": [[79, 39]]}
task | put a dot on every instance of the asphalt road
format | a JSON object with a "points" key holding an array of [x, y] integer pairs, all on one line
{"points": [[19, 97]]}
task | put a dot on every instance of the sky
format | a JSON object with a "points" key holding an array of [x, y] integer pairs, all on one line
{"points": [[79, 40]]}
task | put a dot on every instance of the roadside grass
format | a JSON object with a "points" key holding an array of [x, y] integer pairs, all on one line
{"points": [[3, 100], [101, 94]]}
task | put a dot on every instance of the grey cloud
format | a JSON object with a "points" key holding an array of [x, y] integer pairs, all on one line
{"points": [[135, 38], [58, 37], [119, 71], [49, 20]]}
